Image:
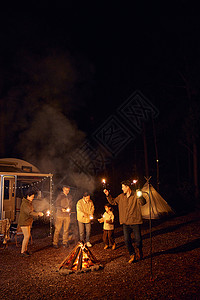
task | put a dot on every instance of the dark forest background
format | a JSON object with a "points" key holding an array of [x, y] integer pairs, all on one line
{"points": [[63, 74]]}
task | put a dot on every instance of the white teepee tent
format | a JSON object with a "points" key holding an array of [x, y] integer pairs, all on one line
{"points": [[159, 206]]}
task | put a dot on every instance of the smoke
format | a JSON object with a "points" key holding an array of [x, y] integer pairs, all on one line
{"points": [[41, 204], [49, 143], [84, 183], [49, 140], [49, 90]]}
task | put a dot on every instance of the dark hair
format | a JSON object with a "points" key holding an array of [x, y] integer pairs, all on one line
{"points": [[31, 192], [126, 182], [108, 205], [86, 194], [66, 186]]}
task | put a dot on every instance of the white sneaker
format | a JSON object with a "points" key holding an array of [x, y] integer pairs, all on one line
{"points": [[88, 244]]}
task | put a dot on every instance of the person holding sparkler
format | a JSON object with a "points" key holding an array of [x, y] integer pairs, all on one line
{"points": [[63, 208], [85, 212], [130, 217], [26, 219], [108, 227]]}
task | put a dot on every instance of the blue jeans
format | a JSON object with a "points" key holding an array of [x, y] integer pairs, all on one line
{"points": [[82, 228], [128, 229]]}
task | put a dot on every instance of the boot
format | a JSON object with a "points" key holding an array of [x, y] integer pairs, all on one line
{"points": [[114, 246]]}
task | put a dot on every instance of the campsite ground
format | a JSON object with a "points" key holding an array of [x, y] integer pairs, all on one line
{"points": [[175, 271]]}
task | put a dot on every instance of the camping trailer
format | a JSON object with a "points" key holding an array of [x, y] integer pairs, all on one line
{"points": [[16, 177]]}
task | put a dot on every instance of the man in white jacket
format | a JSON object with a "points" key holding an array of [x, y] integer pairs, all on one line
{"points": [[85, 212]]}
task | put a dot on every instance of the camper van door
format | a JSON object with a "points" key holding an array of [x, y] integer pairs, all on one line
{"points": [[8, 197]]}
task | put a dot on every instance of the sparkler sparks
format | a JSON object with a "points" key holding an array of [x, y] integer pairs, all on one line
{"points": [[104, 183], [48, 213]]}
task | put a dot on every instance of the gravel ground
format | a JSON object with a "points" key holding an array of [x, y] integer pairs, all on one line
{"points": [[172, 271]]}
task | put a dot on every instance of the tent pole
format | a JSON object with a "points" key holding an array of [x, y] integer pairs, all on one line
{"points": [[51, 206], [150, 228], [150, 234]]}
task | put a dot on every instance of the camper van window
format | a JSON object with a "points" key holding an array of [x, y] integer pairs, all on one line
{"points": [[6, 189], [27, 169]]}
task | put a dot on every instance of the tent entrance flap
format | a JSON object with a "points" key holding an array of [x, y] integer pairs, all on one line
{"points": [[158, 205]]}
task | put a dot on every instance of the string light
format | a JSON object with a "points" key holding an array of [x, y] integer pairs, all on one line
{"points": [[28, 185]]}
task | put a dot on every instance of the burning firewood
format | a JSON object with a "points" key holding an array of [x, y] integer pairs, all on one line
{"points": [[79, 260]]}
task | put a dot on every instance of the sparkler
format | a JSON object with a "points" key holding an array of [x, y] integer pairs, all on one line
{"points": [[135, 183], [104, 183], [66, 210], [100, 220], [48, 213]]}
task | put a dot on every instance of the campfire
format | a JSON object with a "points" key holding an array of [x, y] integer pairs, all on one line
{"points": [[80, 260]]}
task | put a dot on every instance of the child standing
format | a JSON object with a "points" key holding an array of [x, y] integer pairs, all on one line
{"points": [[108, 227]]}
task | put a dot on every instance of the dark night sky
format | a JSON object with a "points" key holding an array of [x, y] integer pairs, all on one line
{"points": [[123, 50], [109, 51]]}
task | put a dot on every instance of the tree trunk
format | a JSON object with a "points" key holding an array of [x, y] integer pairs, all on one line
{"points": [[157, 160], [145, 152], [195, 170]]}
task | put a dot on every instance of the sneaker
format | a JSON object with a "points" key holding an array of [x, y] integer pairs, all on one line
{"points": [[114, 246], [88, 244], [106, 247], [25, 254], [132, 258]]}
